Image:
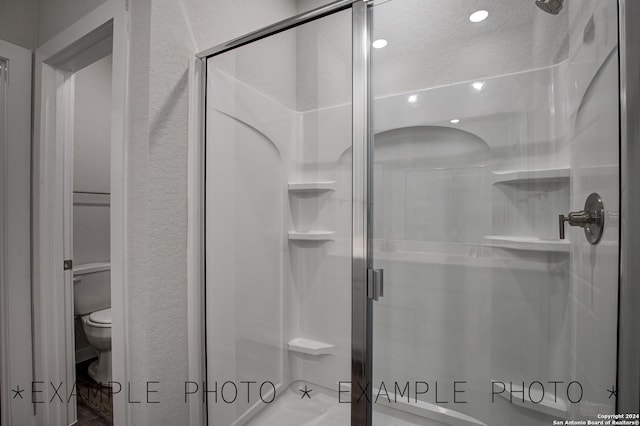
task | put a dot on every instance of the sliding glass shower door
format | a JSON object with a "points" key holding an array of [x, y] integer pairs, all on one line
{"points": [[492, 119], [278, 227]]}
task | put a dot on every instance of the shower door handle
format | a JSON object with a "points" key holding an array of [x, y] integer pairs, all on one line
{"points": [[591, 219], [375, 284]]}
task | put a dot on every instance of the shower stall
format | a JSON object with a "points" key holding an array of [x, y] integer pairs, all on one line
{"points": [[412, 215]]}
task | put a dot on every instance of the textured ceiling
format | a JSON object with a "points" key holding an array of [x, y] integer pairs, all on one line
{"points": [[431, 43]]}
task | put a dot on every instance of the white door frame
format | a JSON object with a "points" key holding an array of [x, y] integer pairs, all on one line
{"points": [[103, 31], [15, 230]]}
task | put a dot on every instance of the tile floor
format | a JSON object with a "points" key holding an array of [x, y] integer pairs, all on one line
{"points": [[95, 407]]}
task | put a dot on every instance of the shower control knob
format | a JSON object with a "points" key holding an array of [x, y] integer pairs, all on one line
{"points": [[591, 219]]}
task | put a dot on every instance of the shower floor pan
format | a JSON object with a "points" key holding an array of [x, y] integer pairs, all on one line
{"points": [[322, 408]]}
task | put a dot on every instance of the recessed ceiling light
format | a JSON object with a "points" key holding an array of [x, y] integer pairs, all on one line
{"points": [[454, 121], [412, 99], [479, 16], [379, 43], [478, 85]]}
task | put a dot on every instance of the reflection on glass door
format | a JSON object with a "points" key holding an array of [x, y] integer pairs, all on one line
{"points": [[489, 123], [278, 227]]}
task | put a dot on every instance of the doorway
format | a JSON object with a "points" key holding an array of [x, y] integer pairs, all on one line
{"points": [[91, 170], [74, 119]]}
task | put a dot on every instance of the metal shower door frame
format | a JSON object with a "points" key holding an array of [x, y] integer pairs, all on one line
{"points": [[628, 360], [362, 222]]}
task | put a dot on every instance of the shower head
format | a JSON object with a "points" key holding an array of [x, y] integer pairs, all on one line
{"points": [[550, 6]]}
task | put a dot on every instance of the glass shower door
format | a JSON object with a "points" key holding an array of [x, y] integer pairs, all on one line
{"points": [[278, 227], [492, 119]]}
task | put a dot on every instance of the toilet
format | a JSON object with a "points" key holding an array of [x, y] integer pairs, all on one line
{"points": [[92, 304]]}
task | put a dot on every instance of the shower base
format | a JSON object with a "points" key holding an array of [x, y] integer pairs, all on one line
{"points": [[323, 408]]}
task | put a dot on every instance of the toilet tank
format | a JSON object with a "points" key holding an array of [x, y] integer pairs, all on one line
{"points": [[91, 287]]}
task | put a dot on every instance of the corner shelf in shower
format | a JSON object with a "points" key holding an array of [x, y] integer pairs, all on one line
{"points": [[310, 347], [530, 176], [312, 235], [527, 243], [312, 186]]}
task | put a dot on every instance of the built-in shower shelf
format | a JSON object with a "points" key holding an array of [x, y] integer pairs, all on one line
{"points": [[527, 243], [534, 399], [311, 347], [312, 235], [532, 176], [312, 186]]}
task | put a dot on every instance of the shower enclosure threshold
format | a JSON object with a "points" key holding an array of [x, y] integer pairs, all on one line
{"points": [[321, 406]]}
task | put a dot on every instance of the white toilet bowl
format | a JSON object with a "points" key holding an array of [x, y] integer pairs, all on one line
{"points": [[97, 327], [92, 304]]}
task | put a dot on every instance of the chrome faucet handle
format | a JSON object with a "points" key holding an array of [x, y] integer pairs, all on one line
{"points": [[581, 218], [561, 220], [591, 219]]}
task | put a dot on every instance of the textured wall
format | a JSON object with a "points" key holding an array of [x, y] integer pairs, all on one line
{"points": [[165, 34]]}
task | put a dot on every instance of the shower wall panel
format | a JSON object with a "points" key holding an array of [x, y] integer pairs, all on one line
{"points": [[245, 246], [278, 221]]}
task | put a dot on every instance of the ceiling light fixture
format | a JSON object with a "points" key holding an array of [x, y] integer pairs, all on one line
{"points": [[478, 16], [412, 99], [379, 43], [454, 121], [478, 85]]}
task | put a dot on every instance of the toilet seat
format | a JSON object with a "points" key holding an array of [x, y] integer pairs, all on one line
{"points": [[100, 319], [97, 328]]}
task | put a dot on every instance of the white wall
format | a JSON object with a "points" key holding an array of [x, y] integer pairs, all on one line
{"points": [[56, 15], [18, 22], [91, 163], [92, 128], [30, 23], [91, 227]]}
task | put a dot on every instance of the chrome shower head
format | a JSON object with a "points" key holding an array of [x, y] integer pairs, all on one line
{"points": [[550, 6]]}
